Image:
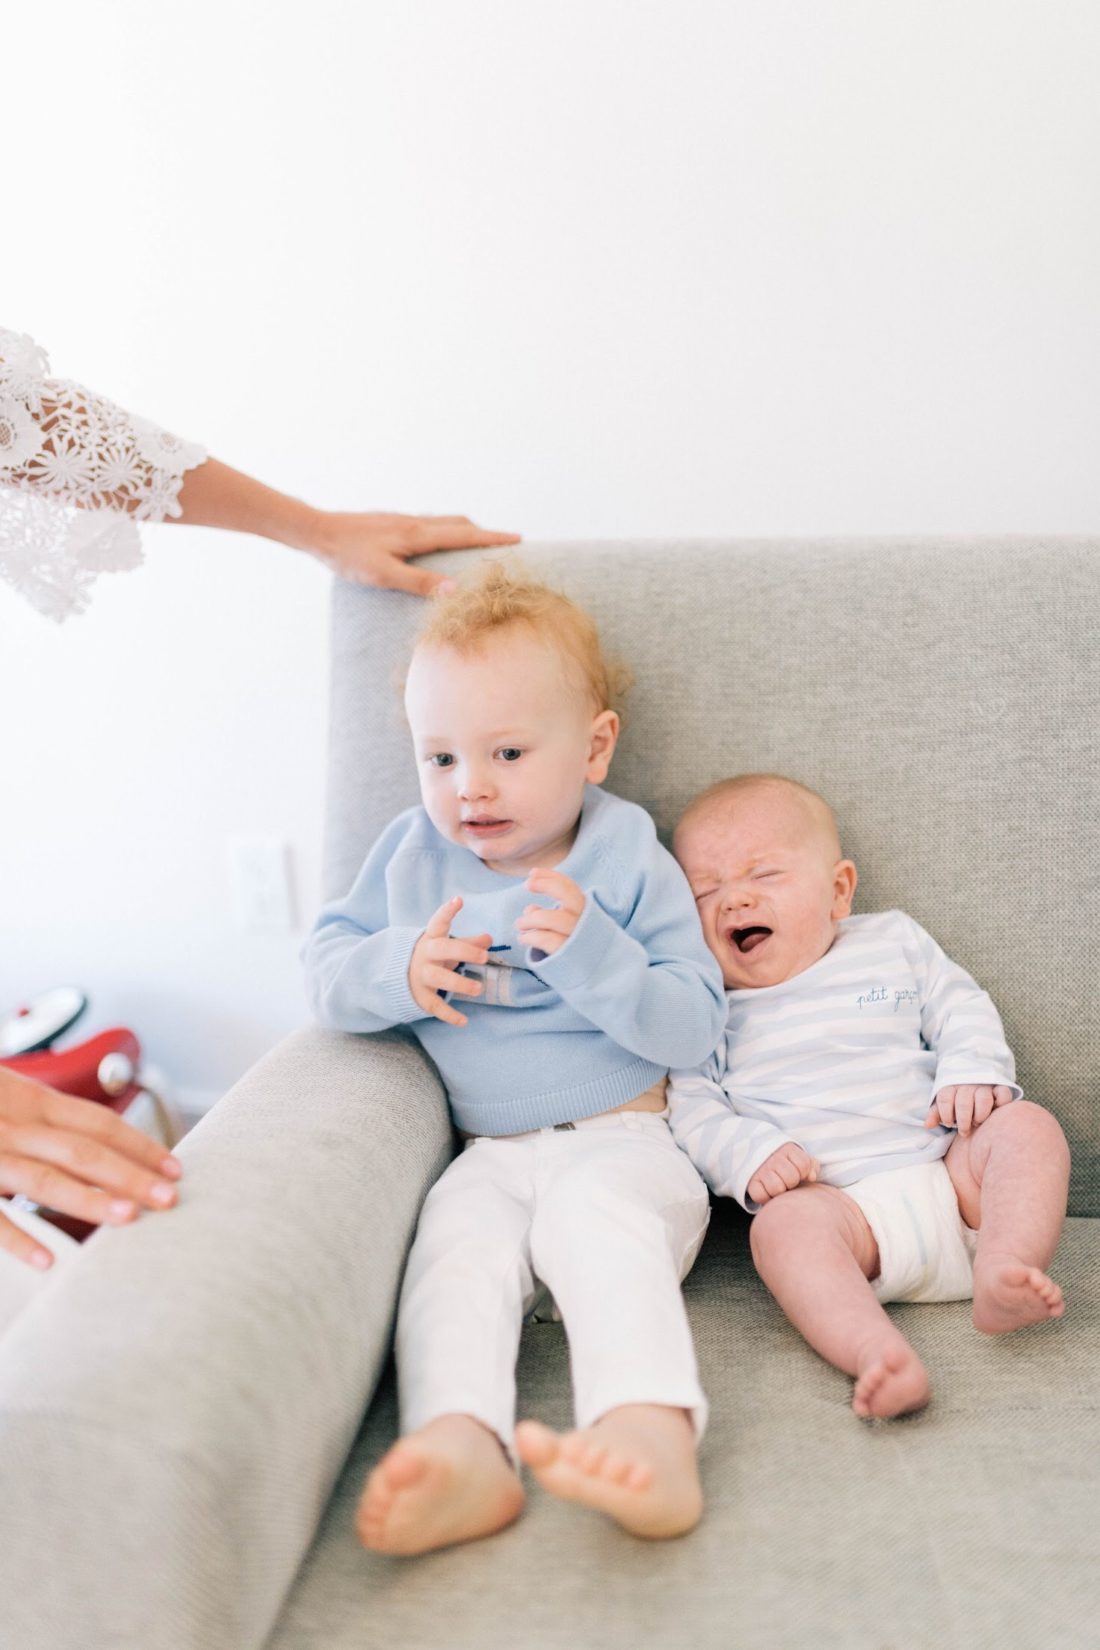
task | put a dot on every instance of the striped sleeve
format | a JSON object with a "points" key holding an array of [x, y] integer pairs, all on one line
{"points": [[958, 1020], [727, 1149]]}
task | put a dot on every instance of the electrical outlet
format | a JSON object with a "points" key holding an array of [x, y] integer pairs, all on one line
{"points": [[259, 869]]}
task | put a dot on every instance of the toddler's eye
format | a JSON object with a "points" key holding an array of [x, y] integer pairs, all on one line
{"points": [[704, 893], [510, 753], [442, 759]]}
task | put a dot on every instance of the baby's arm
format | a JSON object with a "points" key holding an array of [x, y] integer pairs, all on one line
{"points": [[975, 1070], [737, 1156]]}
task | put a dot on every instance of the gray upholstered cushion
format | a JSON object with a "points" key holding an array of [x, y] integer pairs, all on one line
{"points": [[175, 1407], [971, 1526]]}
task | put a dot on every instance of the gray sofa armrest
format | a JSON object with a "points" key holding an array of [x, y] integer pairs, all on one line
{"points": [[175, 1407]]}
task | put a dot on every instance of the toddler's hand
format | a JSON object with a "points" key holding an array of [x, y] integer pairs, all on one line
{"points": [[782, 1172], [548, 930], [435, 954], [964, 1105]]}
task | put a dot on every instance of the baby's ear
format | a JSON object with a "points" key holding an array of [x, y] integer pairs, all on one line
{"points": [[845, 877]]}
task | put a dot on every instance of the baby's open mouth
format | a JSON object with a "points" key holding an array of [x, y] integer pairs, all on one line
{"points": [[747, 939]]}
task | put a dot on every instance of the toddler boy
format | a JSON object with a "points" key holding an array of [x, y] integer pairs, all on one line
{"points": [[861, 1103], [579, 978]]}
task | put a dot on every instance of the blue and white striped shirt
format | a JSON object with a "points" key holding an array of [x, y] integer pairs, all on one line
{"points": [[843, 1059]]}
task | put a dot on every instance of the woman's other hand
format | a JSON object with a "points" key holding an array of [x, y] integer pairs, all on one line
{"points": [[76, 1157]]}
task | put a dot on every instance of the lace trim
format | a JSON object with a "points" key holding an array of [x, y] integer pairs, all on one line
{"points": [[77, 473]]}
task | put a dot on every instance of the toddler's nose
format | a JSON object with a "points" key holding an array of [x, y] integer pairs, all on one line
{"points": [[475, 786]]}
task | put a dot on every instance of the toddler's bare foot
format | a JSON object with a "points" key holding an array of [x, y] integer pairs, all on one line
{"points": [[449, 1482], [892, 1381], [637, 1464], [1008, 1295]]}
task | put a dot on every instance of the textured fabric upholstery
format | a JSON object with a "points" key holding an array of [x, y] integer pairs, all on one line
{"points": [[174, 1412], [971, 1526], [175, 1408]]}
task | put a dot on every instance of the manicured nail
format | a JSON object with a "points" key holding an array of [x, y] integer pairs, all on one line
{"points": [[121, 1208], [42, 1259], [446, 587], [163, 1193], [172, 1167]]}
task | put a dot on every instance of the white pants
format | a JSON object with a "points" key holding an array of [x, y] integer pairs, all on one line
{"points": [[609, 1214], [20, 1283]]}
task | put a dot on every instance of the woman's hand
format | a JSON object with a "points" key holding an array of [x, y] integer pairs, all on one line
{"points": [[76, 1157], [375, 548]]}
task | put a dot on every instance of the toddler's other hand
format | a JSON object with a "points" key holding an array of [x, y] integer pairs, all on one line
{"points": [[548, 929], [782, 1172], [432, 965], [963, 1106]]}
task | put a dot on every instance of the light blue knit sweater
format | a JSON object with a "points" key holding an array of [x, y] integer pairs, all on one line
{"points": [[632, 991]]}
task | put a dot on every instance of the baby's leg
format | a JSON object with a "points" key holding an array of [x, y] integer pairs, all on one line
{"points": [[1011, 1177], [619, 1222], [449, 1477], [815, 1251]]}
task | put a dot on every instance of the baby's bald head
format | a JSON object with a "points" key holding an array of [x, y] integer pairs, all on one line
{"points": [[768, 794]]}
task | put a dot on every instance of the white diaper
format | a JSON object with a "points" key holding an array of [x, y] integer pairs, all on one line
{"points": [[925, 1248]]}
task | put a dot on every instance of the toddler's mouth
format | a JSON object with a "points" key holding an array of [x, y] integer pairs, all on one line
{"points": [[485, 826], [748, 939]]}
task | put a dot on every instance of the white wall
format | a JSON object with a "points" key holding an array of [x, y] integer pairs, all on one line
{"points": [[585, 268]]}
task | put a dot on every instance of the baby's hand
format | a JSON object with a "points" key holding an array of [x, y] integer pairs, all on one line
{"points": [[782, 1172], [964, 1105], [431, 967], [548, 930]]}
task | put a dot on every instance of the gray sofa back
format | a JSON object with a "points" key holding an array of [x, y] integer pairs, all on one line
{"points": [[943, 694]]}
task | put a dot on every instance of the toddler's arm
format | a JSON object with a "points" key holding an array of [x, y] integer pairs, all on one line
{"points": [[650, 984], [727, 1149], [356, 964]]}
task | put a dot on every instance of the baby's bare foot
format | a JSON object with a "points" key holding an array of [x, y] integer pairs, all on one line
{"points": [[449, 1482], [637, 1464], [891, 1382], [1008, 1294]]}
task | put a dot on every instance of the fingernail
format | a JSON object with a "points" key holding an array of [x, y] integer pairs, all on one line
{"points": [[162, 1193], [42, 1259], [171, 1166], [446, 587], [121, 1208]]}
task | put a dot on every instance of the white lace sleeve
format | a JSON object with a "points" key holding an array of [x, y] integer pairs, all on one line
{"points": [[77, 474]]}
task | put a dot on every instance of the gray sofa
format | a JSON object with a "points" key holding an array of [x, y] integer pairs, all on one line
{"points": [[181, 1415]]}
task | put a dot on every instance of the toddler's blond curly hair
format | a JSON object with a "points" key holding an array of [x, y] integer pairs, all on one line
{"points": [[502, 595]]}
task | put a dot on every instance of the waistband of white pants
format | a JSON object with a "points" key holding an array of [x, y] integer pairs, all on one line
{"points": [[603, 1120]]}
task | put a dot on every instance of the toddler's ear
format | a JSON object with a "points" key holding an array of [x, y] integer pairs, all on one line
{"points": [[845, 877], [602, 739]]}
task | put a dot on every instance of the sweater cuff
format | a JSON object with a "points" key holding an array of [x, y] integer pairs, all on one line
{"points": [[400, 1004], [583, 953]]}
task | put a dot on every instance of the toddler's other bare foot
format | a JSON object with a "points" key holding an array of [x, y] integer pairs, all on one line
{"points": [[1008, 1294], [637, 1464], [892, 1381], [449, 1482]]}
